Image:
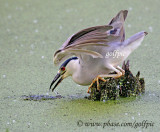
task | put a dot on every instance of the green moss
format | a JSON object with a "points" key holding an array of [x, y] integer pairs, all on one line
{"points": [[125, 86]]}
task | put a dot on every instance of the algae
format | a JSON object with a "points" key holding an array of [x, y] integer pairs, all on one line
{"points": [[125, 86]]}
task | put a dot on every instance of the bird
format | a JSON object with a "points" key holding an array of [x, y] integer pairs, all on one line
{"points": [[93, 53]]}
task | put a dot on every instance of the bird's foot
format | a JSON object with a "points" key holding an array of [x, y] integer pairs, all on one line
{"points": [[96, 80], [122, 70], [118, 75]]}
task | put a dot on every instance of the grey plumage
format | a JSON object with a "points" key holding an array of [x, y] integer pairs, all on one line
{"points": [[91, 45]]}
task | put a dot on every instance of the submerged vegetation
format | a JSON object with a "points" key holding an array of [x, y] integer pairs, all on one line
{"points": [[40, 97], [125, 86]]}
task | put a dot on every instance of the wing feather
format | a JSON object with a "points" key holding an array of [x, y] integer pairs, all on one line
{"points": [[94, 36], [97, 32], [61, 56]]}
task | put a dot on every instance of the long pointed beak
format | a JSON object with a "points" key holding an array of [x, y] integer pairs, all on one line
{"points": [[55, 79]]}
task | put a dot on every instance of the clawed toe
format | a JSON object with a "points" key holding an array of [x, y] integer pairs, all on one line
{"points": [[118, 75], [96, 80]]}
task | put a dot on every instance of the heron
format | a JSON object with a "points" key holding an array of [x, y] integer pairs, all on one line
{"points": [[93, 53]]}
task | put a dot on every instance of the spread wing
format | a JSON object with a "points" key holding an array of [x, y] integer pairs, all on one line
{"points": [[77, 44]]}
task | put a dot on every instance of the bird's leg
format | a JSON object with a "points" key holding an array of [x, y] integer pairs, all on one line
{"points": [[123, 71], [96, 80], [119, 74]]}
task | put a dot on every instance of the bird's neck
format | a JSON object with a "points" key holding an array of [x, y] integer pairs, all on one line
{"points": [[73, 66]]}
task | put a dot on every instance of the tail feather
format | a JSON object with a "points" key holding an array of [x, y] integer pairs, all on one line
{"points": [[135, 41]]}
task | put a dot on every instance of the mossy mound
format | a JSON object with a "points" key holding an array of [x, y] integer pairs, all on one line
{"points": [[125, 86]]}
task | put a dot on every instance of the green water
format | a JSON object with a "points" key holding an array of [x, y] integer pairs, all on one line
{"points": [[32, 30]]}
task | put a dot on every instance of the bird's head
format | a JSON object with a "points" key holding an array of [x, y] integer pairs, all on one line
{"points": [[64, 71]]}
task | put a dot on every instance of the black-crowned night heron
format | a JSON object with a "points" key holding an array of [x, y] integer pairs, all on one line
{"points": [[97, 51]]}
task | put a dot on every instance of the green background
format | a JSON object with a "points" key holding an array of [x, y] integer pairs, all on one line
{"points": [[32, 30]]}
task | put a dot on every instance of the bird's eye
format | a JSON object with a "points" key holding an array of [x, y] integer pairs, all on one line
{"points": [[63, 68]]}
